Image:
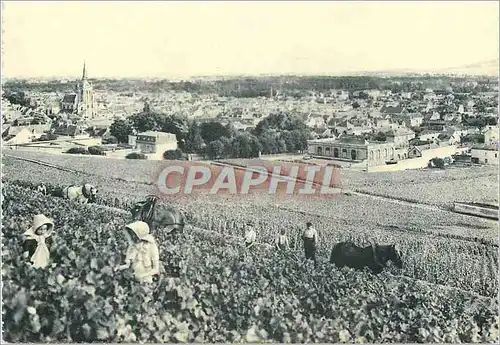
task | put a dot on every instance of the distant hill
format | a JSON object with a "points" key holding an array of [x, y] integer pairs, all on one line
{"points": [[488, 68], [485, 68]]}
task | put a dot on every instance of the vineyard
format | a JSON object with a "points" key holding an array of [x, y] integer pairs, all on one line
{"points": [[224, 294], [446, 291]]}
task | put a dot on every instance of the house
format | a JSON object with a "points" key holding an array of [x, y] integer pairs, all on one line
{"points": [[132, 140], [429, 135], [391, 110], [154, 144], [435, 116], [342, 95], [382, 123], [343, 126], [323, 133], [316, 122], [358, 130], [485, 154], [406, 95], [23, 136], [70, 130], [491, 135], [69, 102], [400, 136], [374, 94], [412, 119], [453, 134], [36, 130], [98, 131]]}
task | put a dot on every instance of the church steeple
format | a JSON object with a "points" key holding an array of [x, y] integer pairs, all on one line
{"points": [[84, 74]]}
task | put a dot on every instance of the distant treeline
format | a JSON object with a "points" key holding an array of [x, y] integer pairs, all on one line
{"points": [[296, 86]]}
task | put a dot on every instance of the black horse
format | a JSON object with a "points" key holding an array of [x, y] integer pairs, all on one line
{"points": [[375, 257], [161, 216]]}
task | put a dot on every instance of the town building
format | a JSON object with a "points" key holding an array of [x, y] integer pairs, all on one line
{"points": [[154, 144], [82, 100], [429, 135], [485, 154], [412, 119], [22, 136], [354, 149], [400, 136], [491, 135]]}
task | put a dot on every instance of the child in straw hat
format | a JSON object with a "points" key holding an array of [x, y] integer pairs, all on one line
{"points": [[37, 240], [142, 254]]}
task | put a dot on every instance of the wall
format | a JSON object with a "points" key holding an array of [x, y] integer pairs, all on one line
{"points": [[23, 137], [416, 163], [371, 154], [380, 153], [160, 149], [491, 136], [489, 157]]}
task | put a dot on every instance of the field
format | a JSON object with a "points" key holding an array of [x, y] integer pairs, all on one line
{"points": [[224, 294], [434, 187], [450, 271]]}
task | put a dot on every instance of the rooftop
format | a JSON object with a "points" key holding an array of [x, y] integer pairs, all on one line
{"points": [[400, 131], [154, 133], [486, 147]]}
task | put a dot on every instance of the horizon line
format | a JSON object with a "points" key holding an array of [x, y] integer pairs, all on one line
{"points": [[391, 72]]}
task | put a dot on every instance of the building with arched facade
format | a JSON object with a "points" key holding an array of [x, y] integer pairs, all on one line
{"points": [[82, 100], [356, 150]]}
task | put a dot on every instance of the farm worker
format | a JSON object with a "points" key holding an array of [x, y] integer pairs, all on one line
{"points": [[282, 240], [250, 235], [310, 240], [36, 241], [142, 254]]}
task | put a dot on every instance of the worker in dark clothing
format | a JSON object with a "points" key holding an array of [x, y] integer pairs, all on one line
{"points": [[310, 240]]}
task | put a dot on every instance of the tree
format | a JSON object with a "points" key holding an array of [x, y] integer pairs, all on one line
{"points": [[143, 122], [269, 143], [255, 146], [355, 105], [136, 155], [279, 122], [215, 149], [213, 130], [437, 163], [228, 149], [380, 136], [282, 146], [78, 151], [39, 119], [289, 139], [245, 146], [109, 139], [194, 142], [47, 137], [177, 125], [96, 150], [491, 121], [172, 155], [121, 129]]}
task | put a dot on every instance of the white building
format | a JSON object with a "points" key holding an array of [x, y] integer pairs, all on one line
{"points": [[429, 135], [400, 136], [23, 136], [491, 135], [485, 154], [154, 144]]}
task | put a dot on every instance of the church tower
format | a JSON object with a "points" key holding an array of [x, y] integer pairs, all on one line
{"points": [[86, 96]]}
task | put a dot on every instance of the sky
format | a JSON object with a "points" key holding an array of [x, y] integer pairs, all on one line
{"points": [[182, 39]]}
